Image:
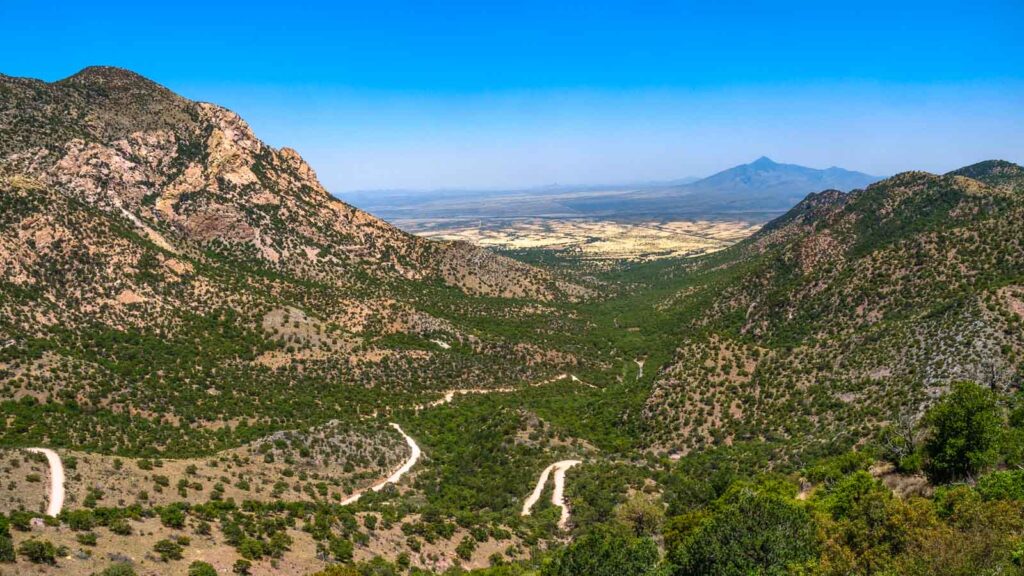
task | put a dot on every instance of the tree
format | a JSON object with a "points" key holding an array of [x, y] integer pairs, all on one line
{"points": [[38, 551], [6, 542], [963, 433], [642, 515], [168, 550], [864, 526], [605, 552], [6, 548], [759, 533], [466, 547], [341, 549], [200, 568], [173, 516]]}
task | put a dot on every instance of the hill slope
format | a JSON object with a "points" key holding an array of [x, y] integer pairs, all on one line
{"points": [[850, 311], [196, 175], [162, 266]]}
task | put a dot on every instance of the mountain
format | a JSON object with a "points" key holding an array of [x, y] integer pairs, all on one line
{"points": [[139, 228], [779, 186], [231, 371], [851, 311], [759, 188], [758, 191], [194, 176]]}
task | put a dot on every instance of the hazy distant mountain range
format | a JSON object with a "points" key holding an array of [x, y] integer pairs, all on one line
{"points": [[757, 190]]}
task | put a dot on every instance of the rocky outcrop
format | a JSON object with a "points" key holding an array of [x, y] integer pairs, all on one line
{"points": [[195, 178]]}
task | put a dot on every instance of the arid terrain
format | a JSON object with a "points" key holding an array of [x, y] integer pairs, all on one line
{"points": [[210, 365], [590, 239]]}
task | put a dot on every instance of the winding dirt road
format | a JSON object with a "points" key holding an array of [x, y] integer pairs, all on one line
{"points": [[57, 494], [55, 500], [396, 476], [451, 394], [558, 496]]}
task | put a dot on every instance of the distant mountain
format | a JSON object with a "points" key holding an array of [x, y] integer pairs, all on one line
{"points": [[766, 176], [760, 187], [759, 190]]}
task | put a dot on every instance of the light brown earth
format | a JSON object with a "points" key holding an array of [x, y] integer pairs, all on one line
{"points": [[301, 558], [593, 239]]}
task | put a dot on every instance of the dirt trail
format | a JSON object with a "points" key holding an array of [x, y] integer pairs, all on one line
{"points": [[56, 496], [396, 476], [451, 394], [558, 496]]}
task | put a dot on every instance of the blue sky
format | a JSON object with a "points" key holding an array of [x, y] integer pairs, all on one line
{"points": [[497, 94]]}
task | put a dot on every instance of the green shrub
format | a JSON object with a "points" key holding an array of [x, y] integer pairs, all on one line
{"points": [[964, 431], [200, 568], [168, 550], [1002, 485], [605, 552], [759, 534], [38, 551]]}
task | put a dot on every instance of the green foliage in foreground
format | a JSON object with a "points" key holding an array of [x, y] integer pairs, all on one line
{"points": [[757, 534], [965, 430], [605, 552]]}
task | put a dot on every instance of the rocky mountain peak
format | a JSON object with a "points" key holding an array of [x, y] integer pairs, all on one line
{"points": [[197, 173]]}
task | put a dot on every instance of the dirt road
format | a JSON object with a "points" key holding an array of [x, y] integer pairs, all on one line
{"points": [[558, 496], [56, 496], [396, 476]]}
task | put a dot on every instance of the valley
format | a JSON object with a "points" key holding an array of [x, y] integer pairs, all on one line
{"points": [[590, 239], [230, 369]]}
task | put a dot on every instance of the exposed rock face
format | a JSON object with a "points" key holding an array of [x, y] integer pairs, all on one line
{"points": [[195, 177]]}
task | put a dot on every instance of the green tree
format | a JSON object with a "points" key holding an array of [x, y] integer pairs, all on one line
{"points": [[759, 533], [168, 550], [341, 549], [6, 548], [466, 547], [242, 567], [643, 515], [6, 542], [38, 551], [200, 568], [605, 552], [963, 432]]}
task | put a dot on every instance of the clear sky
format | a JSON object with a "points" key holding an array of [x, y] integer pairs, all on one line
{"points": [[428, 94]]}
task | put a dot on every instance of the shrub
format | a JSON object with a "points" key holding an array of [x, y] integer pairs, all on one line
{"points": [[1002, 485], [38, 551], [341, 549], [964, 431], [120, 526], [6, 548], [758, 534], [605, 552], [118, 569], [199, 568], [172, 516], [466, 548], [168, 550]]}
